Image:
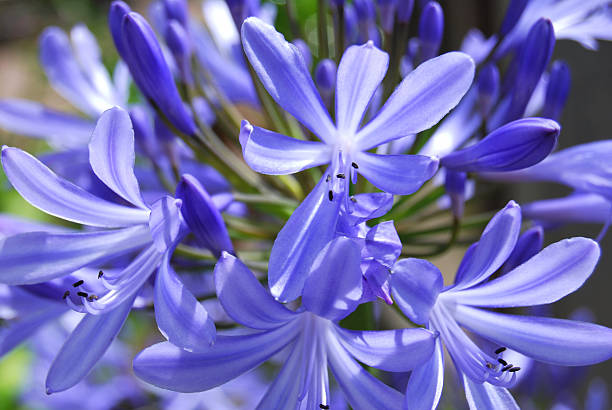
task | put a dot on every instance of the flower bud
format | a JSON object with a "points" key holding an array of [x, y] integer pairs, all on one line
{"points": [[325, 77], [513, 15], [177, 10], [488, 88], [431, 27], [557, 90]]}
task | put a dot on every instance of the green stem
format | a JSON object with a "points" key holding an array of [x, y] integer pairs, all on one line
{"points": [[322, 29]]}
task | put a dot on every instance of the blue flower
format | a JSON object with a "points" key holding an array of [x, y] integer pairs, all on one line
{"points": [[559, 269], [419, 102], [152, 232], [310, 336]]}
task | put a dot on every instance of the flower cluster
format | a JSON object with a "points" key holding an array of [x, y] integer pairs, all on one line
{"points": [[274, 204]]}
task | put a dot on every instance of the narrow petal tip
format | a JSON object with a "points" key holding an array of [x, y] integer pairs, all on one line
{"points": [[245, 132]]}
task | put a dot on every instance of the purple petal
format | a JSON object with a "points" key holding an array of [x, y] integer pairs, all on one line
{"points": [[31, 119], [179, 316], [361, 70], [275, 154], [519, 144], [397, 350], [286, 386], [40, 256], [282, 71], [370, 206], [16, 331], [555, 341], [383, 244], [421, 100], [169, 367], [496, 244], [56, 196], [424, 387], [396, 174], [578, 207], [244, 298], [111, 155], [202, 216], [328, 293], [557, 271], [311, 226], [528, 245], [65, 75], [415, 286], [84, 347], [165, 222], [361, 389], [487, 396]]}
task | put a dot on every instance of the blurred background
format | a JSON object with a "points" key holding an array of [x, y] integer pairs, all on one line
{"points": [[587, 117]]}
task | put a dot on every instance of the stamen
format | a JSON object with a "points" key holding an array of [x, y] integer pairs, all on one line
{"points": [[507, 368], [354, 165], [490, 366], [341, 176], [331, 195], [500, 350], [83, 294], [92, 297], [100, 274], [514, 369], [502, 361], [77, 283], [324, 406], [353, 199], [328, 178], [66, 294]]}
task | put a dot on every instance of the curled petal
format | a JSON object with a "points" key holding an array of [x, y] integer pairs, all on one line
{"points": [[487, 396], [179, 316], [56, 196], [275, 154], [244, 298], [426, 382], [397, 350], [396, 174], [165, 222], [111, 155], [328, 293]]}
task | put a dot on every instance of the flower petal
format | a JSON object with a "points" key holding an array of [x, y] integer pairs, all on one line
{"points": [[244, 298], [396, 174], [286, 386], [334, 285], [557, 271], [111, 155], [271, 153], [487, 396], [555, 341], [397, 350], [361, 70], [169, 367], [496, 244], [40, 256], [361, 389], [84, 347], [56, 196], [282, 71], [424, 387], [577, 207], [421, 100], [179, 316], [202, 215], [415, 285], [528, 245], [31, 119], [311, 226], [165, 222]]}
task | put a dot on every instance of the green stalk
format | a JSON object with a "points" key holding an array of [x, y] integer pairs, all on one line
{"points": [[322, 29]]}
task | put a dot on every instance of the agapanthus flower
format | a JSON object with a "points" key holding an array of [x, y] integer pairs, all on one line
{"points": [[419, 102], [151, 231], [75, 70], [559, 269], [310, 336]]}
